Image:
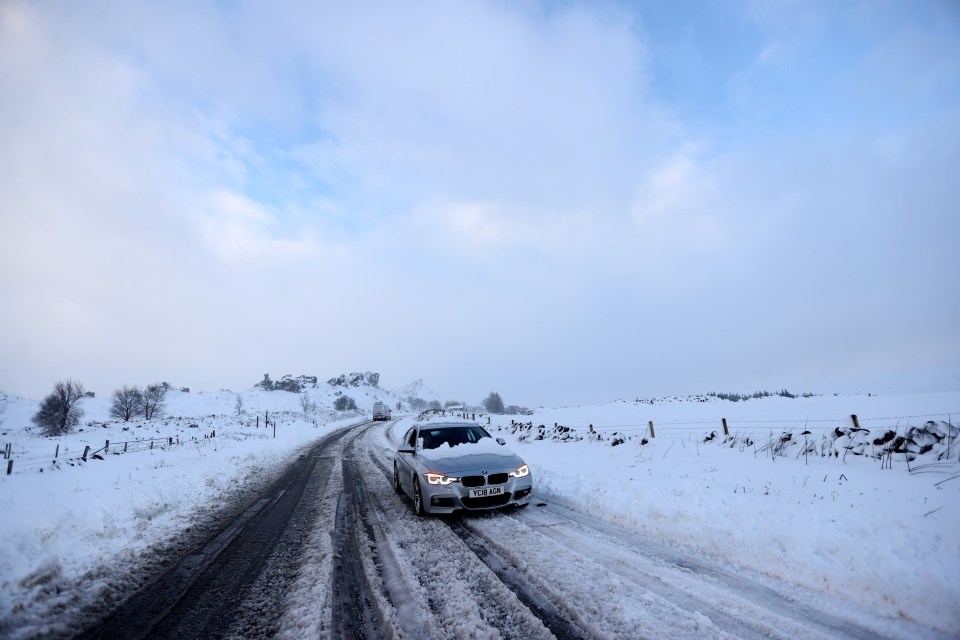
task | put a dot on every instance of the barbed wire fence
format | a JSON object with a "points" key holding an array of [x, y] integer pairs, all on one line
{"points": [[885, 438], [199, 432], [56, 455]]}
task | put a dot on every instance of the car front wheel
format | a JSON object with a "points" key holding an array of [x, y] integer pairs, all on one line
{"points": [[418, 498]]}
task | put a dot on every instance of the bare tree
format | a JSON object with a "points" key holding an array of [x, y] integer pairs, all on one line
{"points": [[59, 412], [153, 400], [238, 405], [127, 402], [306, 404]]}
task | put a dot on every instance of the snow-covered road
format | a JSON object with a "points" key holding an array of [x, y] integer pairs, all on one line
{"points": [[549, 571], [322, 546], [352, 560]]}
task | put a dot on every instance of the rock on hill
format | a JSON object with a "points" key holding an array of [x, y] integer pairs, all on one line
{"points": [[287, 383], [355, 380], [296, 384]]}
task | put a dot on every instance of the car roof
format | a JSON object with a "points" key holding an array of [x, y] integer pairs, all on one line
{"points": [[447, 425]]}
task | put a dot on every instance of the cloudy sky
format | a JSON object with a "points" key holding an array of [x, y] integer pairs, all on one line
{"points": [[561, 201]]}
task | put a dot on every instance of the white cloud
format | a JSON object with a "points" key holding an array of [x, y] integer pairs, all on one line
{"points": [[241, 230], [500, 174]]}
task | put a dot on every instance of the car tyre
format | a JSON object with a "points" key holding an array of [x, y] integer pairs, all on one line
{"points": [[396, 480], [418, 499]]}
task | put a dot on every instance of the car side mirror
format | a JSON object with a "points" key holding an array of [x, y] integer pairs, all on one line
{"points": [[407, 450], [501, 441]]}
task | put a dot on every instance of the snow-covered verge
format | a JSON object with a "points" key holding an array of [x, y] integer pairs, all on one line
{"points": [[866, 529], [64, 520], [881, 531]]}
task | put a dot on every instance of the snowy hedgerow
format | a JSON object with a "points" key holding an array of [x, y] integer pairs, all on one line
{"points": [[345, 403]]}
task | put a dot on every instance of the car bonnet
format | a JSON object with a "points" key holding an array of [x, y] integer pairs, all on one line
{"points": [[474, 463]]}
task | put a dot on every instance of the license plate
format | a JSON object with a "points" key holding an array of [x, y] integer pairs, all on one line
{"points": [[486, 492]]}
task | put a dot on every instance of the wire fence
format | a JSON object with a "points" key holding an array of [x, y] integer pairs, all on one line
{"points": [[933, 435], [199, 431], [686, 427], [19, 458]]}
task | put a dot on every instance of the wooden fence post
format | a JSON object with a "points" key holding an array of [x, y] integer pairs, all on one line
{"points": [[274, 428], [652, 434], [124, 447], [106, 447], [56, 453], [86, 450], [9, 467], [856, 422], [726, 431]]}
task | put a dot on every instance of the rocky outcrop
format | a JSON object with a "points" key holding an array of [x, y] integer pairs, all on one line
{"points": [[293, 384], [414, 389], [355, 380]]}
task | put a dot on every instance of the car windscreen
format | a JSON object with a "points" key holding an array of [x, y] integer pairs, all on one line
{"points": [[451, 436]]}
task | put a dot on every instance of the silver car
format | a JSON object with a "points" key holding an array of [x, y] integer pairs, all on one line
{"points": [[451, 466]]}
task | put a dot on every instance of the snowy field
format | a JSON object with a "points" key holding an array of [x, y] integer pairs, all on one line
{"points": [[865, 529], [826, 510]]}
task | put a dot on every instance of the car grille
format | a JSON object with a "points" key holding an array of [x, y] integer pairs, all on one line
{"points": [[497, 478], [479, 481], [489, 501]]}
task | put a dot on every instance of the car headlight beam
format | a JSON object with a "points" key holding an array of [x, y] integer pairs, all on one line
{"points": [[522, 471], [438, 478]]}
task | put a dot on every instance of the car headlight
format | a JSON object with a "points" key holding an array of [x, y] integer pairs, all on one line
{"points": [[521, 472], [438, 478]]}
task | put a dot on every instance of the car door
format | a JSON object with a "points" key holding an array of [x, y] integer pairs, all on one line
{"points": [[407, 461]]}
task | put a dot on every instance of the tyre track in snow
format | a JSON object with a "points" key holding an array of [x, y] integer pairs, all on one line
{"points": [[357, 611], [617, 562], [371, 601], [355, 614], [737, 604], [203, 595], [559, 620], [441, 577], [585, 567], [556, 617], [559, 562]]}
